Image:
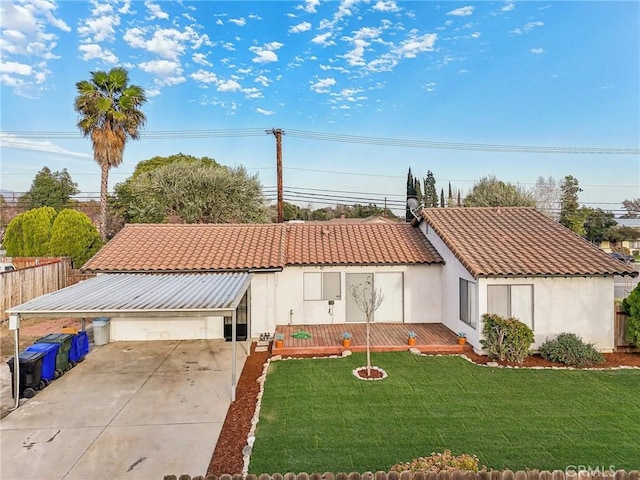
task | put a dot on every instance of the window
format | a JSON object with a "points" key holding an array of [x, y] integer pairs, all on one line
{"points": [[511, 301], [322, 286], [467, 300]]}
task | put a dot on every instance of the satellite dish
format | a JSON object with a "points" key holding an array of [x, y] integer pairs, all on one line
{"points": [[412, 203]]}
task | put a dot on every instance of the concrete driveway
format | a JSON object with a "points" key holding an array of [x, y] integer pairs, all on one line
{"points": [[135, 410]]}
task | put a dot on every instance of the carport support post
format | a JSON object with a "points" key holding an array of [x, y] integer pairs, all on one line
{"points": [[14, 324], [233, 356]]}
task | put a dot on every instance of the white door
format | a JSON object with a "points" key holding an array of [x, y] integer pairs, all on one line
{"points": [[392, 287]]}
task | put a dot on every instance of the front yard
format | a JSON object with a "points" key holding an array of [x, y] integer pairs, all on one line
{"points": [[317, 417]]}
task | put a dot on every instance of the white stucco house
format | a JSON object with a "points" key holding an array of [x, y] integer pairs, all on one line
{"points": [[450, 266]]}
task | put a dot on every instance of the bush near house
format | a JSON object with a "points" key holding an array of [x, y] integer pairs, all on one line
{"points": [[631, 306], [506, 338], [570, 349]]}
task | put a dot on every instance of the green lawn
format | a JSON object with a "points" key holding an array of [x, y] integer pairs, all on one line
{"points": [[317, 417]]}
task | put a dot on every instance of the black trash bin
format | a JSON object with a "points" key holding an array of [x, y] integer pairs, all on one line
{"points": [[30, 374]]}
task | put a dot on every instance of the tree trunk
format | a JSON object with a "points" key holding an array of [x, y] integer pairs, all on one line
{"points": [[104, 183], [368, 347]]}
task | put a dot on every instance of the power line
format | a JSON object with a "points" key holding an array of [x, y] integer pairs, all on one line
{"points": [[354, 139]]}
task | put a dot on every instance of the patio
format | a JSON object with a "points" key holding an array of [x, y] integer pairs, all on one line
{"points": [[385, 337]]}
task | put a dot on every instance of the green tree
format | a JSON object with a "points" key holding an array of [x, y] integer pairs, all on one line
{"points": [[73, 235], [430, 193], [110, 114], [43, 232], [197, 194], [598, 224], [570, 214], [50, 189], [491, 192], [442, 197], [28, 234]]}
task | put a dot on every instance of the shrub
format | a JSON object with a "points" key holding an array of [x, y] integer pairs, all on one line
{"points": [[439, 462], [73, 235], [506, 338], [570, 349], [631, 306]]}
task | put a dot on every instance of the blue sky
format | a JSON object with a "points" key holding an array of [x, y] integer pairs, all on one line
{"points": [[340, 78]]}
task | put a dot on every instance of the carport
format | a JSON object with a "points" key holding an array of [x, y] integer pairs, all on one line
{"points": [[141, 295]]}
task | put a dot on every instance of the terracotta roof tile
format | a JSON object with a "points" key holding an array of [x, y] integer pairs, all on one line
{"points": [[517, 241], [152, 247], [144, 247], [364, 243]]}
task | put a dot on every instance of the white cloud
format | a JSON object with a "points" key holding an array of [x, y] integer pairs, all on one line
{"points": [[264, 112], [168, 43], [537, 51], [508, 6], [386, 6], [476, 35], [462, 11], [155, 11], [527, 27], [228, 86], [323, 39], [15, 67], [262, 80], [100, 28], [323, 85], [92, 51], [252, 93], [430, 87], [240, 22], [266, 53], [301, 27], [204, 76], [8, 140], [161, 68], [416, 44], [201, 59], [310, 6]]}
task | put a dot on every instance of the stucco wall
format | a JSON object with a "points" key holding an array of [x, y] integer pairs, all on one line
{"points": [[278, 298], [165, 328], [580, 305], [450, 276]]}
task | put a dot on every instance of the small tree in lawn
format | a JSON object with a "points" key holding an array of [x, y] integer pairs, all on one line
{"points": [[368, 299]]}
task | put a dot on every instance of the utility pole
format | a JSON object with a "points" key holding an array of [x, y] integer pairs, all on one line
{"points": [[277, 132]]}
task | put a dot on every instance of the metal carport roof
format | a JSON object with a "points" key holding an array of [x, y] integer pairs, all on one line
{"points": [[140, 294], [127, 294]]}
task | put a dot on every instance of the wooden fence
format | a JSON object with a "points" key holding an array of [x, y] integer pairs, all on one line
{"points": [[573, 472], [620, 331], [35, 277]]}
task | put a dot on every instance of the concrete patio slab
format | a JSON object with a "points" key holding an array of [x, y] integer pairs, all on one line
{"points": [[130, 410]]}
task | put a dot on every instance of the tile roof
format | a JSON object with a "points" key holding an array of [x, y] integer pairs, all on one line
{"points": [[194, 247], [362, 243], [517, 241], [220, 247]]}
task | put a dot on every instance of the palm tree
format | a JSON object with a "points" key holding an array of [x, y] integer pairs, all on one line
{"points": [[110, 113]]}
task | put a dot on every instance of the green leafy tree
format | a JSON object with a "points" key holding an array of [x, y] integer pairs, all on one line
{"points": [[50, 189], [197, 194], [570, 214], [623, 232], [442, 197], [28, 234], [430, 194], [110, 114], [43, 232], [450, 197], [73, 235], [597, 224], [631, 306], [491, 192]]}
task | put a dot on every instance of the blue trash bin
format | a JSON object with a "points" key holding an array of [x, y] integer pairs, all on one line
{"points": [[50, 351], [79, 347]]}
